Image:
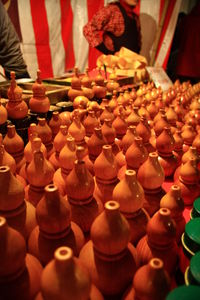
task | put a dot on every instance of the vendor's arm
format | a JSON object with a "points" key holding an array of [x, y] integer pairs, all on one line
{"points": [[11, 57], [107, 20]]}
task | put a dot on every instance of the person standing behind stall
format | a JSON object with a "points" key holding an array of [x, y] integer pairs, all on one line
{"points": [[114, 26], [11, 58]]}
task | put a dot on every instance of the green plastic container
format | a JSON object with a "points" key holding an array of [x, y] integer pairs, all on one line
{"points": [[191, 237], [191, 292], [192, 274], [195, 213]]}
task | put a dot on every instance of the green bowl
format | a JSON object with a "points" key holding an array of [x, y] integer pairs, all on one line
{"points": [[191, 237], [192, 273], [195, 213]]}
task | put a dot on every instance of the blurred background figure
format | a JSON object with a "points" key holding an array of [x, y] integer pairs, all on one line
{"points": [[114, 26], [11, 58]]}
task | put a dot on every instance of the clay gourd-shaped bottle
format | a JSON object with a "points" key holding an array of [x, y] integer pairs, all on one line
{"points": [[99, 88], [77, 130], [196, 142], [109, 134], [30, 148], [3, 114], [160, 241], [174, 202], [171, 115], [95, 143], [129, 137], [90, 123], [113, 101], [120, 124], [165, 146], [188, 135], [19, 213], [160, 124], [79, 190], [151, 176], [65, 277], [105, 168], [55, 123], [20, 273], [152, 109], [45, 133], [142, 111], [109, 252], [106, 114], [39, 103], [191, 152], [16, 107], [133, 118], [5, 158], [58, 143], [136, 154], [54, 227], [130, 195], [67, 157], [14, 145], [86, 83], [178, 145], [39, 174], [144, 131], [150, 282], [75, 89], [189, 181]]}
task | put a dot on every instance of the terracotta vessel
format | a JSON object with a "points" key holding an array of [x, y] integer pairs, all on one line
{"points": [[152, 109], [113, 101], [171, 115], [160, 241], [65, 118], [178, 145], [5, 158], [75, 89], [90, 123], [55, 228], [67, 157], [105, 168], [165, 146], [39, 174], [19, 278], [133, 118], [80, 101], [14, 145], [150, 282], [66, 276], [45, 133], [55, 123], [188, 135], [112, 85], [129, 137], [130, 195], [77, 130], [109, 252], [58, 143], [144, 131], [86, 85], [95, 143], [189, 181], [136, 154], [99, 88], [106, 114], [79, 190], [19, 214], [39, 103], [174, 202], [16, 107], [120, 124], [151, 176], [3, 114], [109, 133], [160, 124]]}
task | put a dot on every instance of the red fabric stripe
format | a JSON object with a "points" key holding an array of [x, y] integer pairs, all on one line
{"points": [[41, 30], [137, 8], [166, 23], [167, 56], [67, 33], [93, 7], [161, 8]]}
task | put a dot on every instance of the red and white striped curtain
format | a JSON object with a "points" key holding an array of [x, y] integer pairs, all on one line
{"points": [[52, 38]]}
